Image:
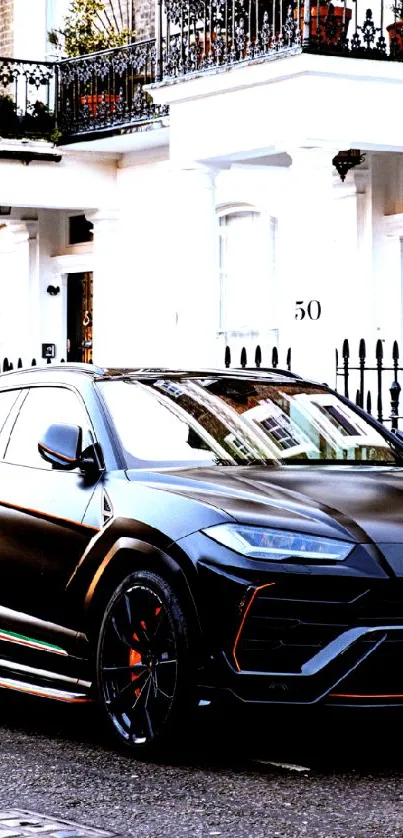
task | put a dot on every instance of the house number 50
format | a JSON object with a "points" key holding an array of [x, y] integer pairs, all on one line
{"points": [[313, 309]]}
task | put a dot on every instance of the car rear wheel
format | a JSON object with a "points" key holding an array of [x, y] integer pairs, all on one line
{"points": [[144, 671]]}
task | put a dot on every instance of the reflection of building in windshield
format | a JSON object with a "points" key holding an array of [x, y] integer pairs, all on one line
{"points": [[284, 433], [252, 420], [218, 418], [330, 422]]}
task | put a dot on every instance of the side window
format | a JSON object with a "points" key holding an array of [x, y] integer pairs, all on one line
{"points": [[42, 407], [8, 399]]}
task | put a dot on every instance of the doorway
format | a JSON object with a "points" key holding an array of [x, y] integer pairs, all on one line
{"points": [[79, 317]]}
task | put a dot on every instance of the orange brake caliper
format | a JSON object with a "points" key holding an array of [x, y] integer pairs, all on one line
{"points": [[134, 657]]}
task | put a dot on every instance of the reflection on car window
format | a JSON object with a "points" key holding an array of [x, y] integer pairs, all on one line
{"points": [[42, 407], [7, 401], [152, 430], [238, 421]]}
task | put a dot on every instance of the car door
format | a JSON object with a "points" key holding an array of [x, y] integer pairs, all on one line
{"points": [[42, 508]]}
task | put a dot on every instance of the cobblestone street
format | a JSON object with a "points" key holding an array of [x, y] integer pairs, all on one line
{"points": [[342, 776]]}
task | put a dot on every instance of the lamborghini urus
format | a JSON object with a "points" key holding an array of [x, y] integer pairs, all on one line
{"points": [[171, 537]]}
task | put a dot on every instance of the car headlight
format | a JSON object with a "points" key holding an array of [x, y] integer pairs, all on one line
{"points": [[276, 545]]}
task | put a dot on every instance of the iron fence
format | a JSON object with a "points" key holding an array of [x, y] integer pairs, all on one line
{"points": [[383, 392], [7, 366], [104, 90], [272, 354], [27, 92], [199, 35]]}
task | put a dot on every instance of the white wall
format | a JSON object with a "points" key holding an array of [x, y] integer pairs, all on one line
{"points": [[32, 21], [134, 298], [30, 29], [77, 181], [162, 303], [156, 282]]}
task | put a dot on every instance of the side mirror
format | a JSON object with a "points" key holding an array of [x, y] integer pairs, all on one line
{"points": [[61, 445]]}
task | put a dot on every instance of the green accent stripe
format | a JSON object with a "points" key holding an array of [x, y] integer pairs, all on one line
{"points": [[24, 638]]}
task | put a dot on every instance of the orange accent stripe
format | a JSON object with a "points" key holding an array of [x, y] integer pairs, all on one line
{"points": [[375, 695], [42, 694], [61, 456], [43, 514], [245, 614]]}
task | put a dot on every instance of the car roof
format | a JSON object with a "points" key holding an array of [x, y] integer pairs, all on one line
{"points": [[62, 371]]}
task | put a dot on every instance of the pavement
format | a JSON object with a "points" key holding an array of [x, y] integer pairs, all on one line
{"points": [[240, 775]]}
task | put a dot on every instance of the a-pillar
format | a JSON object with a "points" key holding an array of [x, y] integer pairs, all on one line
{"points": [[14, 288], [193, 267], [109, 315], [309, 300]]}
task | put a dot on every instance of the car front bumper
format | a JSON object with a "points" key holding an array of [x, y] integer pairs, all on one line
{"points": [[299, 634]]}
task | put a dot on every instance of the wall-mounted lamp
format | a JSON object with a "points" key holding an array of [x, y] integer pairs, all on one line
{"points": [[346, 160], [53, 290]]}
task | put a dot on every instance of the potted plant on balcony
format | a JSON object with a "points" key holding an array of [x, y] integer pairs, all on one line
{"points": [[86, 30], [328, 22], [395, 30]]}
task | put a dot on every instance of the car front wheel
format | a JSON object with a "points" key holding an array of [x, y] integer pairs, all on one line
{"points": [[144, 672]]}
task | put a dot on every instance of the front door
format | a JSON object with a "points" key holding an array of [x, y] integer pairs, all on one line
{"points": [[41, 508], [79, 317]]}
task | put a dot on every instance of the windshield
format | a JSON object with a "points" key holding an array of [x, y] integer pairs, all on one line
{"points": [[233, 421]]}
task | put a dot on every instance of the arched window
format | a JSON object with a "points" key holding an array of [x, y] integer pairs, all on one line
{"points": [[247, 270]]}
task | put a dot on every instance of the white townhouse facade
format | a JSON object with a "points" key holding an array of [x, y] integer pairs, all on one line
{"points": [[193, 201]]}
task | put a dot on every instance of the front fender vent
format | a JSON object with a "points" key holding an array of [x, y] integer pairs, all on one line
{"points": [[107, 509]]}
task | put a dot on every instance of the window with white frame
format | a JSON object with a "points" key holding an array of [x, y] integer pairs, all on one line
{"points": [[247, 266], [55, 12]]}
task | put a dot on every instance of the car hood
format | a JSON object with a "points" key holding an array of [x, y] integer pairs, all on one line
{"points": [[361, 504]]}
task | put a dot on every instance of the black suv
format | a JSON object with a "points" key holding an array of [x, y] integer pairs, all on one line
{"points": [[168, 537]]}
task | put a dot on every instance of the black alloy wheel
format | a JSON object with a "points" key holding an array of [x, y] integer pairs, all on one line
{"points": [[143, 663]]}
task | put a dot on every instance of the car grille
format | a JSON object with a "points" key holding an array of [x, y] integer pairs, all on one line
{"points": [[289, 622]]}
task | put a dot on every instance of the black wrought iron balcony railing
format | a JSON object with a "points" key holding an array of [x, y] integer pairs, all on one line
{"points": [[104, 91], [26, 99], [200, 35]]}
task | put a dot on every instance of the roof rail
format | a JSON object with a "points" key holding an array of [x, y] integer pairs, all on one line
{"points": [[276, 370], [76, 366]]}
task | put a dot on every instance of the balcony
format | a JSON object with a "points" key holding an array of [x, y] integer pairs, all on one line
{"points": [[111, 92], [26, 100], [102, 93], [199, 36]]}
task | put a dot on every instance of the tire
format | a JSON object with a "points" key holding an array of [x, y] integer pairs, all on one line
{"points": [[144, 672]]}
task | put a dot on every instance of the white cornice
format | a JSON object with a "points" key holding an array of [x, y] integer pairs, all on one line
{"points": [[393, 224], [72, 263], [262, 71]]}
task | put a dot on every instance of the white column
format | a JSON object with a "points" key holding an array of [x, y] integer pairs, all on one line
{"points": [[392, 325], [34, 290], [309, 298], [193, 267], [14, 291], [352, 261], [365, 279], [110, 318]]}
